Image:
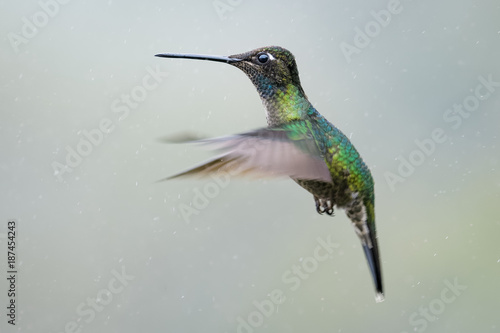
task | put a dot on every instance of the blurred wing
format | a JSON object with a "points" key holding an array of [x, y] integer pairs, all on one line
{"points": [[271, 152]]}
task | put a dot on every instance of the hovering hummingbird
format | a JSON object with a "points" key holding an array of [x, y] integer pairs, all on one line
{"points": [[299, 143]]}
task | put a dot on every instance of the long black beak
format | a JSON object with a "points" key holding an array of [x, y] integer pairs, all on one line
{"points": [[199, 57]]}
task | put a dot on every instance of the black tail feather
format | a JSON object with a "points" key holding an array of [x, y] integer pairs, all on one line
{"points": [[372, 256]]}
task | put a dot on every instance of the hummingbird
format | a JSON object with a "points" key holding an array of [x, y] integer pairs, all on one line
{"points": [[298, 143]]}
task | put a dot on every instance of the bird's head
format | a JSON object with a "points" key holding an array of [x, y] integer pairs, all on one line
{"points": [[267, 67], [272, 65]]}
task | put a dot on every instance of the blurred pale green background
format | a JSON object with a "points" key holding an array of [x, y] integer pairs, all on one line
{"points": [[78, 230]]}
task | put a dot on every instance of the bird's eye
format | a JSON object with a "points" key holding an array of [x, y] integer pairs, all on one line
{"points": [[263, 58]]}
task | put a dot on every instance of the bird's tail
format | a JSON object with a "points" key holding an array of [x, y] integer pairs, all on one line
{"points": [[372, 256], [370, 247], [362, 216]]}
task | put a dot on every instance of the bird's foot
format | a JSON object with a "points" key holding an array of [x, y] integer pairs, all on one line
{"points": [[324, 206]]}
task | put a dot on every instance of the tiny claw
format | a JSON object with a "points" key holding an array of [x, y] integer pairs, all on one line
{"points": [[324, 206], [318, 206]]}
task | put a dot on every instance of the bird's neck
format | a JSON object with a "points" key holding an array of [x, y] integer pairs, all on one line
{"points": [[284, 104]]}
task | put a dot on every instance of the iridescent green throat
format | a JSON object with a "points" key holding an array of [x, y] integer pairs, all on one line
{"points": [[284, 104]]}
